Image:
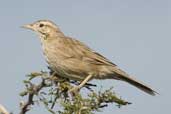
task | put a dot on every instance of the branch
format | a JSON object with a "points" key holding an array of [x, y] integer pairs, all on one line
{"points": [[33, 90], [3, 110], [56, 93]]}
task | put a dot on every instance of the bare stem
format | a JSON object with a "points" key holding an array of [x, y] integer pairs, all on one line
{"points": [[3, 110], [34, 89]]}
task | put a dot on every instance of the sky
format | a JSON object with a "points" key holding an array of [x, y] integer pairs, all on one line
{"points": [[134, 34]]}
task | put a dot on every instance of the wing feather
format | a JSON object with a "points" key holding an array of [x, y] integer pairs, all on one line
{"points": [[83, 52]]}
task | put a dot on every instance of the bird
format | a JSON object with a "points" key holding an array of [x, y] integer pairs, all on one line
{"points": [[72, 59]]}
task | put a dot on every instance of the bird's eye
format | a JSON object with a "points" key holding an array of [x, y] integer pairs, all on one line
{"points": [[41, 25]]}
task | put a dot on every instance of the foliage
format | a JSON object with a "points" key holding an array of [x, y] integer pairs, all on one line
{"points": [[52, 91]]}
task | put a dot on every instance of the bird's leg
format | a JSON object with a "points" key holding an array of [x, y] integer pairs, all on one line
{"points": [[81, 84]]}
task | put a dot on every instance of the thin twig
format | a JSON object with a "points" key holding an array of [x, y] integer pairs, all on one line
{"points": [[3, 110], [35, 90]]}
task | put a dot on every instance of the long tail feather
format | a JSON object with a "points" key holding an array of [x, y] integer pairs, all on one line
{"points": [[125, 77]]}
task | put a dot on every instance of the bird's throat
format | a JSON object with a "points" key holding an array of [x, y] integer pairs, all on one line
{"points": [[43, 36]]}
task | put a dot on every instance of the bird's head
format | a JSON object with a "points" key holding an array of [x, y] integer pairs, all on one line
{"points": [[44, 27]]}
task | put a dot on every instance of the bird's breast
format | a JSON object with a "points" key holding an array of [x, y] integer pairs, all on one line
{"points": [[63, 63]]}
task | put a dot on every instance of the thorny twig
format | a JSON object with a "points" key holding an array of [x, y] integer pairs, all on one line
{"points": [[58, 88], [34, 90]]}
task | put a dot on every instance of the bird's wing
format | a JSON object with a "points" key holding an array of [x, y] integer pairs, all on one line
{"points": [[97, 58], [86, 54]]}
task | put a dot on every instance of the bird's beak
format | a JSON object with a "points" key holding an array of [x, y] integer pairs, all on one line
{"points": [[28, 26]]}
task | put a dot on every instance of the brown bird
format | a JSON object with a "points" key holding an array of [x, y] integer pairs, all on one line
{"points": [[72, 59]]}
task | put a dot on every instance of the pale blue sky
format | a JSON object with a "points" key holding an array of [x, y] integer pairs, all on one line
{"points": [[132, 33]]}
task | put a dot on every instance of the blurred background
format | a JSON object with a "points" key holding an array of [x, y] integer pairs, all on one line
{"points": [[134, 34]]}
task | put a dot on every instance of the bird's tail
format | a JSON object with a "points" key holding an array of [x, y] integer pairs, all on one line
{"points": [[121, 75]]}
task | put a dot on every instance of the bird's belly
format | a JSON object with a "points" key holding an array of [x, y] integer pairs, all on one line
{"points": [[64, 71], [72, 69]]}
